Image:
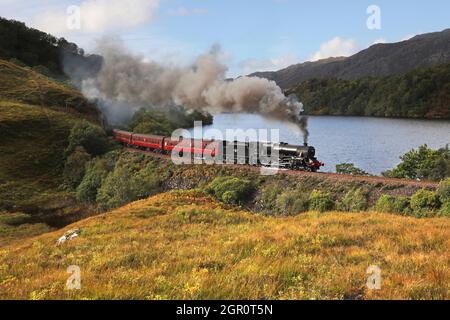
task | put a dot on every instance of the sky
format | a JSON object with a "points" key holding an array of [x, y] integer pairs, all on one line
{"points": [[255, 35]]}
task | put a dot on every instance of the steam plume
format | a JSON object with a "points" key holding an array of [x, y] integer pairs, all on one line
{"points": [[127, 82]]}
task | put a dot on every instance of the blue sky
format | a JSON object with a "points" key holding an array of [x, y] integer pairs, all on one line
{"points": [[253, 34]]}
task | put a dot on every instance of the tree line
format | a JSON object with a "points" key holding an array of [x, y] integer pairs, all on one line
{"points": [[52, 55], [421, 93]]}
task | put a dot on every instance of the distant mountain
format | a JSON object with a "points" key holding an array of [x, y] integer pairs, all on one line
{"points": [[420, 93], [379, 60]]}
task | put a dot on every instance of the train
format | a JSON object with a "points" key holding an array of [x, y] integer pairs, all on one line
{"points": [[281, 155]]}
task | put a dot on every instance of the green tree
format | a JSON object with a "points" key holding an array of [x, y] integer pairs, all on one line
{"points": [[89, 136], [124, 185], [349, 168], [443, 191], [74, 168], [423, 163], [96, 173], [425, 203]]}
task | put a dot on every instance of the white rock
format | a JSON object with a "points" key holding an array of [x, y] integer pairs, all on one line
{"points": [[69, 235]]}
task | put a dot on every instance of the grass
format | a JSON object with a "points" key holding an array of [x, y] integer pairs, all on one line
{"points": [[18, 226], [24, 85], [32, 153], [36, 116], [184, 245]]}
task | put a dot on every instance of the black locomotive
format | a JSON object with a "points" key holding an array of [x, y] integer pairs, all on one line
{"points": [[280, 155]]}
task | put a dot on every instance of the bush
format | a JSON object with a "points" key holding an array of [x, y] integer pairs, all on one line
{"points": [[443, 191], [230, 190], [269, 194], [355, 201], [321, 201], [292, 202], [96, 172], [445, 210], [89, 136], [75, 167], [123, 186], [425, 203], [392, 204], [349, 168], [424, 163]]}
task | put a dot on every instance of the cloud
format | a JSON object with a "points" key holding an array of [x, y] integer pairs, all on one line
{"points": [[249, 66], [336, 47], [99, 16], [184, 12]]}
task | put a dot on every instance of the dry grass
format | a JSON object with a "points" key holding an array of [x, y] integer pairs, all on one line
{"points": [[183, 245], [32, 146], [36, 115], [24, 85]]}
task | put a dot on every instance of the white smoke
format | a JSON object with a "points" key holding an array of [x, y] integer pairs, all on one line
{"points": [[127, 82]]}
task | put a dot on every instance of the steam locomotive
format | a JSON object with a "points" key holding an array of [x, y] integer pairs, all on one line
{"points": [[282, 155]]}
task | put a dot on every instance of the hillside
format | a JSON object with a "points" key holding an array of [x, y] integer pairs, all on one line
{"points": [[422, 93], [423, 51], [40, 50], [36, 118], [184, 245], [22, 84]]}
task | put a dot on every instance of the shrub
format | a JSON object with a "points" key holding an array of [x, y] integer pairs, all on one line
{"points": [[425, 203], [392, 204], [122, 186], [96, 172], [74, 168], [321, 201], [424, 163], [89, 136], [445, 210], [355, 201], [292, 202], [269, 194], [443, 191], [230, 190], [349, 168]]}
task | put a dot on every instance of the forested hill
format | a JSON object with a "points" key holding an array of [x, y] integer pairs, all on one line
{"points": [[423, 51], [422, 93], [45, 53]]}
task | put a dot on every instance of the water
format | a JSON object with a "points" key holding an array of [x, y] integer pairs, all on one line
{"points": [[372, 144]]}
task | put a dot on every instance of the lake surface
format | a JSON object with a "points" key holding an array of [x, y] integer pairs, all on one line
{"points": [[372, 144]]}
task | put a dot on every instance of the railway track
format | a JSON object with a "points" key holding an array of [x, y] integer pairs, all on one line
{"points": [[324, 175]]}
